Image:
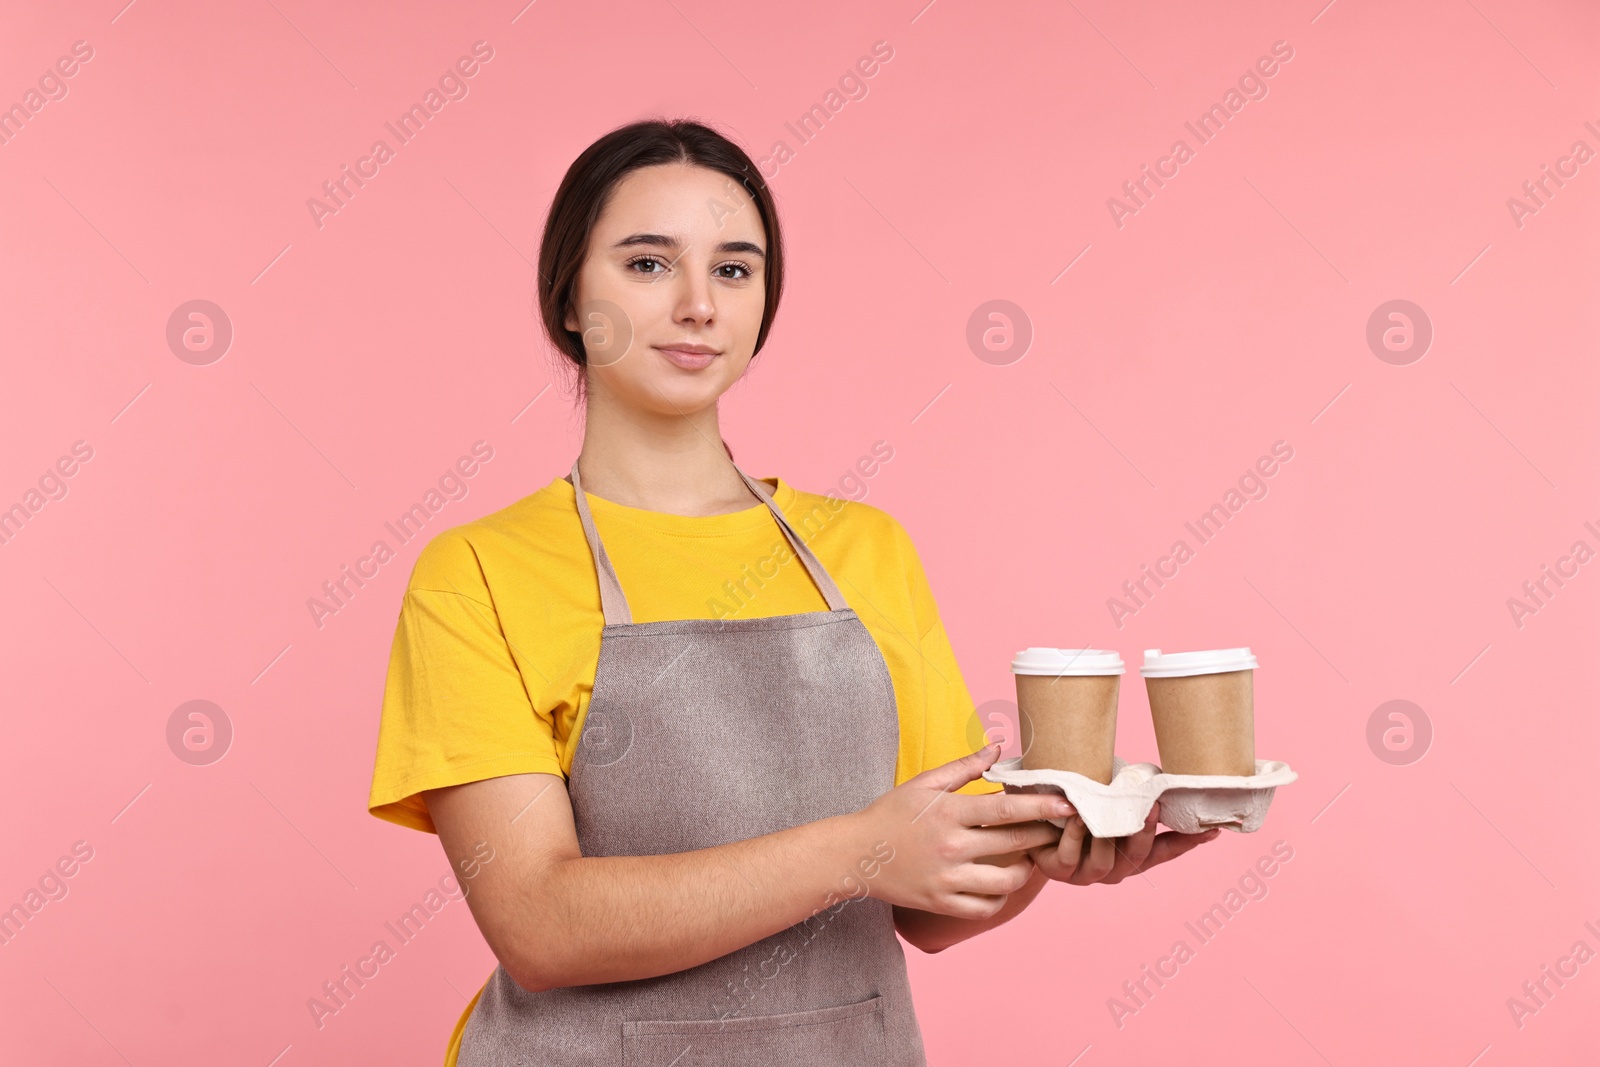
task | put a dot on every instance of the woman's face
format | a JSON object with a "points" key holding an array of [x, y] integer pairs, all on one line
{"points": [[675, 260]]}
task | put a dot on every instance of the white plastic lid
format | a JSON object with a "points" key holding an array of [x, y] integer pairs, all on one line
{"points": [[1067, 662], [1182, 664]]}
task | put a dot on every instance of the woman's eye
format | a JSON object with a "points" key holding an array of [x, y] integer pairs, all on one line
{"points": [[637, 265]]}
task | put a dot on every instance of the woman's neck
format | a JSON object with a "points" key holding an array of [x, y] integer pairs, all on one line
{"points": [[679, 467]]}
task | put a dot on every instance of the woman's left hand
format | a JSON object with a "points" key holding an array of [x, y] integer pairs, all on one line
{"points": [[1079, 859]]}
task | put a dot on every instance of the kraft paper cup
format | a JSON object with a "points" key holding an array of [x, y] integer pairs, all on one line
{"points": [[1203, 708], [1067, 704]]}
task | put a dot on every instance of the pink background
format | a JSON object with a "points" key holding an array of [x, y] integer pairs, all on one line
{"points": [[1228, 313]]}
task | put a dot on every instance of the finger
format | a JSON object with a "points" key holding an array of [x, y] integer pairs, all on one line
{"points": [[986, 879], [994, 809], [994, 877], [1061, 862], [1101, 858], [1003, 859], [1134, 849], [976, 906], [958, 772], [1073, 836], [1009, 837], [1172, 844], [992, 882]]}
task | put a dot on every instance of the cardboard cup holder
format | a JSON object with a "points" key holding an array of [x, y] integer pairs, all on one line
{"points": [[1190, 803]]}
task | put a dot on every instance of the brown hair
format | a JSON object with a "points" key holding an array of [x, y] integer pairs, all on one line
{"points": [[587, 187]]}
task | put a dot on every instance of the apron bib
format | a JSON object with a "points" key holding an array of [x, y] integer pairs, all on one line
{"points": [[701, 732]]}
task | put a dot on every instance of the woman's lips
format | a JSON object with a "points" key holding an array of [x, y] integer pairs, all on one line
{"points": [[688, 360]]}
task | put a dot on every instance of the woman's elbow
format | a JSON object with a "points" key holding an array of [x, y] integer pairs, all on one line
{"points": [[910, 925], [536, 971]]}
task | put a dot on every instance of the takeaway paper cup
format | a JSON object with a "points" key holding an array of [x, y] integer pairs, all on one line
{"points": [[1067, 704], [1202, 704]]}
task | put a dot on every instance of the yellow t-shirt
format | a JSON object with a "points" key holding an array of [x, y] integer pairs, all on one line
{"points": [[495, 651]]}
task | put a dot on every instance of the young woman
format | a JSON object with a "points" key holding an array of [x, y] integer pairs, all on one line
{"points": [[696, 742]]}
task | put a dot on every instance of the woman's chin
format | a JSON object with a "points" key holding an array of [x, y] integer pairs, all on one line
{"points": [[682, 395]]}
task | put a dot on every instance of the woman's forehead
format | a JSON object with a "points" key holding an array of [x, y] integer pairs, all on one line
{"points": [[686, 204]]}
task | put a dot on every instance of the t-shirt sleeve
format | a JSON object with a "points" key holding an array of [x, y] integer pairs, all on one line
{"points": [[952, 729], [455, 708]]}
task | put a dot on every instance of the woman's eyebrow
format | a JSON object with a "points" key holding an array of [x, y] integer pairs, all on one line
{"points": [[674, 244]]}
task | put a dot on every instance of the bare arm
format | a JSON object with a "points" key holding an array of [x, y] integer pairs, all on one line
{"points": [[554, 917]]}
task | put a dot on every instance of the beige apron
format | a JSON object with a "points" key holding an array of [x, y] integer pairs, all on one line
{"points": [[700, 732]]}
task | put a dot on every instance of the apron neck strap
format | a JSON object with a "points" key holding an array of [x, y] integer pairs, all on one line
{"points": [[614, 605]]}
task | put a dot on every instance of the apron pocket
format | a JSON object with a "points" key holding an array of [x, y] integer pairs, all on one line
{"points": [[848, 1035]]}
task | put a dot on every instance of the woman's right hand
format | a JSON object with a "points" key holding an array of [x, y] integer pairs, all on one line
{"points": [[937, 837]]}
